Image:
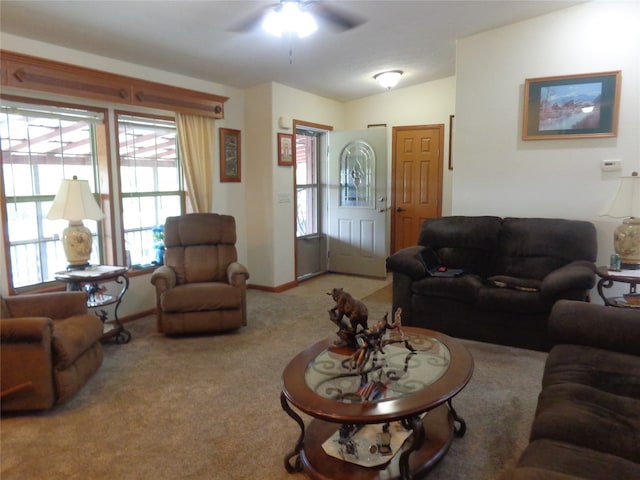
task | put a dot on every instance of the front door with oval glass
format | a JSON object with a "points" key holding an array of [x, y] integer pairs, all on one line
{"points": [[357, 202]]}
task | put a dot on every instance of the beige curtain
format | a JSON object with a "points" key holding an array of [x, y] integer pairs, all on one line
{"points": [[196, 143]]}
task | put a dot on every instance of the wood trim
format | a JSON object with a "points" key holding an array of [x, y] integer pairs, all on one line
{"points": [[277, 289], [33, 73], [296, 125]]}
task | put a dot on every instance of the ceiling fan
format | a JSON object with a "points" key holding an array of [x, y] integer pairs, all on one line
{"points": [[299, 17]]}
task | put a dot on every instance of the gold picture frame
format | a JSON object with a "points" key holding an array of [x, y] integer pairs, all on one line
{"points": [[571, 106], [230, 155]]}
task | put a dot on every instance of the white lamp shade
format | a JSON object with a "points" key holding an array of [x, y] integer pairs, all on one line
{"points": [[627, 200], [75, 202]]}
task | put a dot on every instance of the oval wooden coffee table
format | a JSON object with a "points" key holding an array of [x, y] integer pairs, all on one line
{"points": [[319, 383]]}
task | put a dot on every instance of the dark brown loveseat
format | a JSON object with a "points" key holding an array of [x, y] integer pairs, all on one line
{"points": [[587, 422], [515, 269]]}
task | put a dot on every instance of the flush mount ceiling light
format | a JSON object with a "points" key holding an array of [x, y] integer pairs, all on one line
{"points": [[288, 16], [388, 79]]}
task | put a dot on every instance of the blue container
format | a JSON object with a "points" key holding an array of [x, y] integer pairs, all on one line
{"points": [[159, 254]]}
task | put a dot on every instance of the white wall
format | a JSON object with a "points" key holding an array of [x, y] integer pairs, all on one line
{"points": [[496, 172], [270, 208]]}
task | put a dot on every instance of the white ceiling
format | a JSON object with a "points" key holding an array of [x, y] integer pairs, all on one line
{"points": [[196, 38]]}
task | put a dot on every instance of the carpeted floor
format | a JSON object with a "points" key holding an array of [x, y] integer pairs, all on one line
{"points": [[208, 407]]}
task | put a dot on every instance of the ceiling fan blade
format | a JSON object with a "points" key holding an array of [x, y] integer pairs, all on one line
{"points": [[321, 11], [338, 17], [252, 21]]}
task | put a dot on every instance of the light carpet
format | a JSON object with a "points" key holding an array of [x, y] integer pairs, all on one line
{"points": [[208, 407]]}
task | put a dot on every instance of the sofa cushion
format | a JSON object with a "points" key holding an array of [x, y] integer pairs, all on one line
{"points": [[72, 337], [515, 283], [574, 462], [200, 246], [536, 473], [534, 247], [589, 418], [606, 370], [469, 243], [512, 300], [463, 288], [69, 380], [193, 297]]}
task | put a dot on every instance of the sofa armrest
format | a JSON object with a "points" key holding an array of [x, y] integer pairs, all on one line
{"points": [[582, 323], [163, 278], [26, 378], [407, 262], [237, 274], [577, 275], [54, 305], [25, 330]]}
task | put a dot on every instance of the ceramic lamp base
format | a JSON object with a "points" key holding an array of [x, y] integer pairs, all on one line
{"points": [[626, 240], [76, 241]]}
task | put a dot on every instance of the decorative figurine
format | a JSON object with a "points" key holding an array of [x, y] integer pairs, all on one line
{"points": [[354, 310], [348, 306], [371, 341]]}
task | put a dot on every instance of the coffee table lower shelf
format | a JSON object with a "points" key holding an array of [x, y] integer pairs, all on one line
{"points": [[439, 433]]}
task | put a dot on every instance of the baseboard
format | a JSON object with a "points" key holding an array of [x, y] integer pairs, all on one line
{"points": [[277, 289], [136, 316]]}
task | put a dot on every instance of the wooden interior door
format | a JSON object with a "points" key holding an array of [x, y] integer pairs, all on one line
{"points": [[417, 164]]}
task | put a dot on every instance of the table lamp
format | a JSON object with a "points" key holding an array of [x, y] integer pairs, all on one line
{"points": [[75, 202], [626, 238]]}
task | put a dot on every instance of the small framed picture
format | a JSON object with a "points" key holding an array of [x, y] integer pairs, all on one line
{"points": [[571, 106], [230, 166], [285, 149]]}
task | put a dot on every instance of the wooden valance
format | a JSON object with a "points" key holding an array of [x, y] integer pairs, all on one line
{"points": [[33, 73]]}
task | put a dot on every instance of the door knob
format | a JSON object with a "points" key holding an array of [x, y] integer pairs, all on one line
{"points": [[400, 209]]}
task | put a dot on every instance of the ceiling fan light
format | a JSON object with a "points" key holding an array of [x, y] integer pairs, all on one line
{"points": [[272, 23], [288, 17], [307, 25], [388, 79]]}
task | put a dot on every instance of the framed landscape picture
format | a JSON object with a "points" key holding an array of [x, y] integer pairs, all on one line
{"points": [[571, 106], [230, 167]]}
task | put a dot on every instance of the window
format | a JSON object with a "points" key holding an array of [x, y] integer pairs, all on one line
{"points": [[41, 145], [151, 181], [307, 188], [357, 171]]}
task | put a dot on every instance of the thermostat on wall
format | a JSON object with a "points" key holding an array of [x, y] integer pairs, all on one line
{"points": [[610, 165]]}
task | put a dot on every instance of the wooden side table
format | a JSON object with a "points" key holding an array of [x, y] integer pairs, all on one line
{"points": [[319, 383], [607, 280], [90, 280]]}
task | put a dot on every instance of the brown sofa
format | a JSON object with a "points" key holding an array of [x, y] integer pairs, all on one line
{"points": [[515, 269], [50, 349], [201, 287], [587, 422]]}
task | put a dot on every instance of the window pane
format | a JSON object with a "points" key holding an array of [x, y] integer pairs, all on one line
{"points": [[39, 149], [357, 171], [151, 182], [307, 191], [306, 159], [306, 221]]}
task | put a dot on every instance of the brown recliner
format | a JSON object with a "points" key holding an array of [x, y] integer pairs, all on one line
{"points": [[201, 287], [50, 349]]}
